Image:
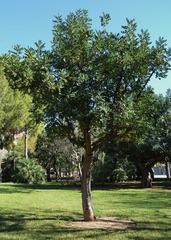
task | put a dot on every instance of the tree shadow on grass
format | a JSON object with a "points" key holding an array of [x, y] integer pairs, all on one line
{"points": [[10, 190], [150, 238], [70, 234], [163, 184], [153, 226], [43, 227], [27, 188], [53, 227], [33, 225], [71, 185], [23, 215]]}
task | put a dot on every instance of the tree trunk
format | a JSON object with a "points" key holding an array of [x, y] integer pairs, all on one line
{"points": [[146, 181], [48, 174], [86, 180], [60, 173], [79, 171], [56, 173], [26, 144], [0, 170], [168, 170], [86, 191]]}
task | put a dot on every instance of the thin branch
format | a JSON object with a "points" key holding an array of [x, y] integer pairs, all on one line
{"points": [[138, 95], [111, 135]]}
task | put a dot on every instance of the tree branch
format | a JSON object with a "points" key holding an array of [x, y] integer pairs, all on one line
{"points": [[106, 138], [148, 79]]}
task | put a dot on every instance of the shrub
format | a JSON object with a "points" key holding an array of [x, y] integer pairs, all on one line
{"points": [[21, 170], [8, 166], [119, 175], [28, 171]]}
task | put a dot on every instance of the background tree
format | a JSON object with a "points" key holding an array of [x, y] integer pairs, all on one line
{"points": [[14, 111], [14, 114], [151, 143], [83, 83], [55, 155], [148, 143]]}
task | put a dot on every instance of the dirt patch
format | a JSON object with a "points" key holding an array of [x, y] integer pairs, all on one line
{"points": [[101, 223]]}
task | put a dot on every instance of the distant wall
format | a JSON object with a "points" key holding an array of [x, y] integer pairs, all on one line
{"points": [[160, 172]]}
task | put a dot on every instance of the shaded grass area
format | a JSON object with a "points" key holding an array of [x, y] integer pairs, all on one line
{"points": [[40, 212]]}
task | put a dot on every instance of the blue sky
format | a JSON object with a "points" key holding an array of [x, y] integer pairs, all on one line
{"points": [[26, 21]]}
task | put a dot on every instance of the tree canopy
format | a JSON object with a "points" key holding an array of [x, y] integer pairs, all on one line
{"points": [[14, 111]]}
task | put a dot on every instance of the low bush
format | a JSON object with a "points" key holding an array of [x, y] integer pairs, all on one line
{"points": [[119, 175], [18, 169]]}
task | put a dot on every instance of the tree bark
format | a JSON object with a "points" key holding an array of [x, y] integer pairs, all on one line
{"points": [[86, 191], [26, 144], [79, 171], [48, 174], [168, 170], [60, 173], [0, 170], [86, 180], [146, 181], [56, 173], [77, 160]]}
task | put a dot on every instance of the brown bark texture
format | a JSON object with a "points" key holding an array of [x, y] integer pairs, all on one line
{"points": [[86, 180], [146, 181]]}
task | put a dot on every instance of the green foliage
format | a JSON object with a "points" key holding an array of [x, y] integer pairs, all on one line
{"points": [[28, 171], [50, 150], [153, 131], [18, 169], [87, 78], [8, 166], [105, 18], [55, 153], [14, 110], [114, 156], [119, 175], [102, 171]]}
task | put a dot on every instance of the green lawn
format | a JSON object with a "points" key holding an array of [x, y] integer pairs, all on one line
{"points": [[40, 211]]}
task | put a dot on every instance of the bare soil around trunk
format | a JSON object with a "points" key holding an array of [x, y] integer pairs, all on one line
{"points": [[110, 223]]}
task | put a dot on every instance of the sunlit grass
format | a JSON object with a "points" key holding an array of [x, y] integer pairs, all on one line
{"points": [[40, 212]]}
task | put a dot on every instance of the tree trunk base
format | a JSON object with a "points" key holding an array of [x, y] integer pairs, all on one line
{"points": [[89, 219], [146, 183]]}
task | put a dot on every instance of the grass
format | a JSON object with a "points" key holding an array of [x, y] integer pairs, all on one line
{"points": [[40, 211]]}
